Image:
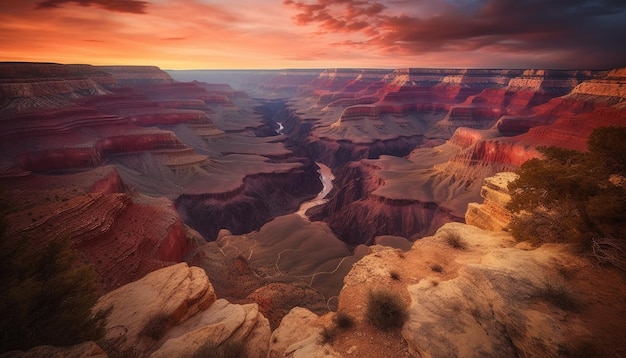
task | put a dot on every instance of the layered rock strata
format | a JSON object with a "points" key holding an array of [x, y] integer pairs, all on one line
{"points": [[85, 145], [492, 213], [492, 119]]}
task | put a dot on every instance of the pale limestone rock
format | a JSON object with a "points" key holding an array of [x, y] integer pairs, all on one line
{"points": [[492, 213], [493, 307], [218, 324], [299, 336], [174, 293], [82, 350]]}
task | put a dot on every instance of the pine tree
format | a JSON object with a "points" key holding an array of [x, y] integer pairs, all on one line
{"points": [[46, 297]]}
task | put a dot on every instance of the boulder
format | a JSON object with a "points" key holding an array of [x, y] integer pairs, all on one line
{"points": [[143, 310], [299, 336], [222, 323], [174, 312]]}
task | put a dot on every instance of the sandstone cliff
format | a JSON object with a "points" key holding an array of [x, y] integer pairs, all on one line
{"points": [[486, 296], [455, 128], [101, 151], [492, 213]]}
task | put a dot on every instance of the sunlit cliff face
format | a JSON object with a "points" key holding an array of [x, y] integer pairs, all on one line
{"points": [[316, 33]]}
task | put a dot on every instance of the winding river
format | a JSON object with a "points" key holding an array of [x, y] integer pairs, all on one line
{"points": [[326, 175]]}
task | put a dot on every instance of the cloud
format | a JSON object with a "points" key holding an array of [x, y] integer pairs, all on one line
{"points": [[337, 16], [129, 6], [579, 30]]}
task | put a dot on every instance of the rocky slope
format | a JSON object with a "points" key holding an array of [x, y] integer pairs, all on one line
{"points": [[101, 151], [468, 292], [455, 128], [492, 297], [289, 262], [174, 312]]}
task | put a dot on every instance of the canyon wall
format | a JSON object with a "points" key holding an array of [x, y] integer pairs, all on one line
{"points": [[409, 148], [452, 128], [103, 153]]}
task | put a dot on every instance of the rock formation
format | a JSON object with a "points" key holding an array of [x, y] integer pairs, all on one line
{"points": [[492, 213], [289, 262], [100, 151], [174, 312], [469, 293], [484, 295], [492, 121]]}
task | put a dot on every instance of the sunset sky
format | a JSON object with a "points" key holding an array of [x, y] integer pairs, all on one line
{"points": [[211, 34]]}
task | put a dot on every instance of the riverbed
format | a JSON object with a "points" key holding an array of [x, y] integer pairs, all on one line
{"points": [[326, 175]]}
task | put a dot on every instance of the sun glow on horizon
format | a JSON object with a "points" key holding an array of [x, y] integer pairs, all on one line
{"points": [[197, 34]]}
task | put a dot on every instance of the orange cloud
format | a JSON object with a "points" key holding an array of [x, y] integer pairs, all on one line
{"points": [[183, 34], [132, 6]]}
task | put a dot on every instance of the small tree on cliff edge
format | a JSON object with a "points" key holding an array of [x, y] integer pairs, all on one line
{"points": [[44, 298], [575, 197]]}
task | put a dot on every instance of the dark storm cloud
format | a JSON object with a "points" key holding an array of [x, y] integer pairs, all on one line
{"points": [[130, 6], [582, 32]]}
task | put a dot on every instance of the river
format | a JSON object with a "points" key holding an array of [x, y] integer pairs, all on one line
{"points": [[326, 175]]}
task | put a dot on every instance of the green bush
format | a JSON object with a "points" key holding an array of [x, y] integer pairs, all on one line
{"points": [[385, 309], [575, 197], [46, 296]]}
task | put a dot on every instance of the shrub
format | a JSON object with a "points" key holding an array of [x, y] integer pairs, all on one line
{"points": [[395, 275], [156, 326], [436, 268], [385, 309], [575, 197], [558, 295], [227, 349], [454, 240], [328, 334], [46, 295], [343, 320]]}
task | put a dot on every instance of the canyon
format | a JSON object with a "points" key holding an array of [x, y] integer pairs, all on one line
{"points": [[299, 188]]}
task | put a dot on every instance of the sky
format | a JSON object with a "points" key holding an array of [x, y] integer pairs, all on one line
{"points": [[273, 34]]}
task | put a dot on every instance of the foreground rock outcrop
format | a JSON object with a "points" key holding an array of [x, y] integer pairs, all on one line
{"points": [[476, 293], [173, 312]]}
